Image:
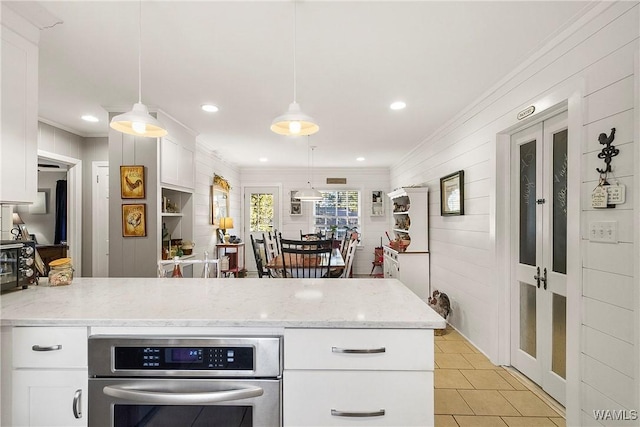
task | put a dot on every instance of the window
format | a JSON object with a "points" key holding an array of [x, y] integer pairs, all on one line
{"points": [[261, 215], [338, 212]]}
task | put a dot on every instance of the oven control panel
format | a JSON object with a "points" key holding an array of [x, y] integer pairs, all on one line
{"points": [[184, 358]]}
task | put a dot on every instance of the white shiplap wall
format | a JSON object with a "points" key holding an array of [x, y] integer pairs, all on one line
{"points": [[362, 179], [204, 233], [598, 58]]}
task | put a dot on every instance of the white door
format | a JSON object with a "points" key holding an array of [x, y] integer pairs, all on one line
{"points": [[539, 283], [262, 214], [100, 245]]}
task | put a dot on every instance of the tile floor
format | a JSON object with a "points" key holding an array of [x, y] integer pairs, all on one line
{"points": [[470, 391]]}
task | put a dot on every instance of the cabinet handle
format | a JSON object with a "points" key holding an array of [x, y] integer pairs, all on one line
{"points": [[358, 350], [49, 348], [336, 413], [77, 403]]}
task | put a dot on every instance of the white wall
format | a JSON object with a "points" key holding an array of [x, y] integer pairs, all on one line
{"points": [[595, 58], [204, 233], [43, 225], [361, 179]]}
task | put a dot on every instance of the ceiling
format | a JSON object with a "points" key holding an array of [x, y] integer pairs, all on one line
{"points": [[353, 60]]}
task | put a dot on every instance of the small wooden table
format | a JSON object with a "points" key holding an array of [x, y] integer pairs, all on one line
{"points": [[235, 252]]}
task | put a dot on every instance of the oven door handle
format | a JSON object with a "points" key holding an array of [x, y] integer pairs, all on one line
{"points": [[163, 397]]}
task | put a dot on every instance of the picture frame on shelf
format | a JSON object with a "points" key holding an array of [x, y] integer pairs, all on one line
{"points": [[134, 220], [132, 182], [452, 194]]}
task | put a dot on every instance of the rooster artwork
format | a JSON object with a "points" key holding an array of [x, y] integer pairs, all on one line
{"points": [[134, 220], [132, 182]]}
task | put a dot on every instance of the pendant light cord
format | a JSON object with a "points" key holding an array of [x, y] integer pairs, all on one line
{"points": [[140, 53], [294, 48]]}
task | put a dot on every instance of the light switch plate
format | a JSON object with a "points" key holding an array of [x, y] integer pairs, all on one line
{"points": [[603, 231]]}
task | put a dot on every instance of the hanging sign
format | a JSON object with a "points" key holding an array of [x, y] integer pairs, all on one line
{"points": [[599, 197], [616, 194], [526, 112]]}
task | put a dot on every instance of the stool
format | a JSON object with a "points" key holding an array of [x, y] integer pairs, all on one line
{"points": [[378, 261]]}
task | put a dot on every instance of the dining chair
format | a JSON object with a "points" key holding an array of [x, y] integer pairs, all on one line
{"points": [[305, 258], [259, 253], [348, 258]]}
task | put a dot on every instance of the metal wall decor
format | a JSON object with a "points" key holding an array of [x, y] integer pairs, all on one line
{"points": [[608, 151]]}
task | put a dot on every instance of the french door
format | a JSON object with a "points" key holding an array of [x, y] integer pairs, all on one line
{"points": [[261, 214], [539, 160]]}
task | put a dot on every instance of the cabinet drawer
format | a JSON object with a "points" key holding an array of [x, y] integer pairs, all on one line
{"points": [[359, 349], [311, 398], [42, 347]]}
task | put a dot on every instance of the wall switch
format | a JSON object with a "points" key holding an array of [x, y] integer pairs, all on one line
{"points": [[603, 231]]}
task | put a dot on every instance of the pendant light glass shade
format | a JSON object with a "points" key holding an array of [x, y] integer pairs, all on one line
{"points": [[309, 195], [138, 121], [294, 122]]}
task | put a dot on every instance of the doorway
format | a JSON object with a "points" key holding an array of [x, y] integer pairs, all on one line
{"points": [[539, 191], [261, 215]]}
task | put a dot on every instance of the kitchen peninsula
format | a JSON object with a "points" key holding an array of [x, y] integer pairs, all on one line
{"points": [[314, 316]]}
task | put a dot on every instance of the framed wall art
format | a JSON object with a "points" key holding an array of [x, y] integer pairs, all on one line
{"points": [[134, 220], [452, 194], [132, 182]]}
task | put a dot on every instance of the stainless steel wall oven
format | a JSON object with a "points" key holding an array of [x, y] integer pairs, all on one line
{"points": [[185, 381]]}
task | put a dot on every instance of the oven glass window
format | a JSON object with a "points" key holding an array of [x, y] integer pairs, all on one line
{"points": [[171, 416]]}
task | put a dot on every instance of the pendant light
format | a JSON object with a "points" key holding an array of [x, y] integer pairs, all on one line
{"points": [[138, 121], [309, 194], [294, 122]]}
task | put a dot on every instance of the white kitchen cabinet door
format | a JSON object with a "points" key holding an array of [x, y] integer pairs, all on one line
{"points": [[371, 398], [50, 398], [19, 135], [177, 164]]}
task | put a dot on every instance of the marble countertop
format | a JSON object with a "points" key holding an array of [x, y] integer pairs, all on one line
{"points": [[312, 303]]}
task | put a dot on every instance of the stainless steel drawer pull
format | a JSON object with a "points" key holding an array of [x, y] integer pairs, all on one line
{"points": [[77, 403], [336, 413], [178, 397], [49, 348], [358, 350]]}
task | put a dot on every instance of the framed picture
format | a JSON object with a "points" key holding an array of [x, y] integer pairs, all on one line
{"points": [[452, 194], [132, 182], [219, 204], [134, 220]]}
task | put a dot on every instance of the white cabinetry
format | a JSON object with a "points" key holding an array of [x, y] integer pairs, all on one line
{"points": [[177, 164], [19, 134], [373, 377], [409, 262], [49, 376]]}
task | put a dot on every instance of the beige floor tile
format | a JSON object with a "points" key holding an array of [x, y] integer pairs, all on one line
{"points": [[452, 361], [449, 402], [453, 335], [484, 379], [468, 421], [488, 402], [560, 422], [445, 421], [455, 347], [511, 379], [479, 361], [528, 422], [451, 378], [436, 349], [528, 404]]}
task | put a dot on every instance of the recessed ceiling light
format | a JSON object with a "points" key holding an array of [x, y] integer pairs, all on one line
{"points": [[360, 159], [210, 108], [263, 159], [90, 118], [398, 105]]}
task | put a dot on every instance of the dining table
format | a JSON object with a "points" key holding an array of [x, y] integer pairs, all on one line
{"points": [[335, 261]]}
